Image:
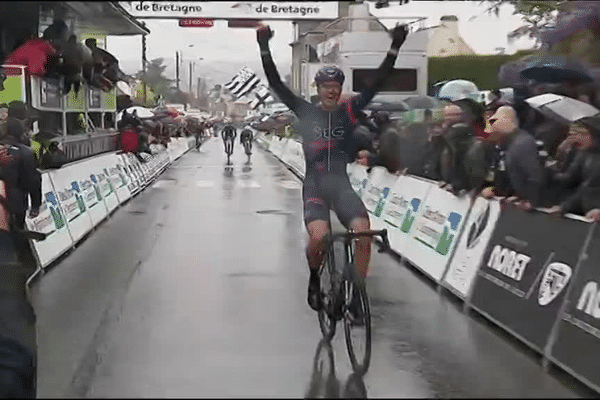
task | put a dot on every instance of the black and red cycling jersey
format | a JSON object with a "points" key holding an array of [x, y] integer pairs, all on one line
{"points": [[328, 136]]}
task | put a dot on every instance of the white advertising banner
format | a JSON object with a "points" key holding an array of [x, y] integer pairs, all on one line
{"points": [[135, 184], [471, 247], [99, 175], [285, 10], [91, 195], [403, 205], [436, 230], [71, 199], [137, 167], [294, 157], [375, 194], [117, 178], [51, 221], [359, 179]]}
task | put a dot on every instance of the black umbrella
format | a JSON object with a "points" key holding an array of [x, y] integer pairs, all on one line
{"points": [[555, 69], [509, 74]]}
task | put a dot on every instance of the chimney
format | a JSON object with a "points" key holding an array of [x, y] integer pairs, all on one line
{"points": [[451, 23], [361, 11]]}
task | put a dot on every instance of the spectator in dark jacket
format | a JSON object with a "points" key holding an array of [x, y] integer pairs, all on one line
{"points": [[522, 162], [18, 343], [583, 174]]}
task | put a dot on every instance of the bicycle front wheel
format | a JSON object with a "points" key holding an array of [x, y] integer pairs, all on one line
{"points": [[329, 298], [358, 335]]}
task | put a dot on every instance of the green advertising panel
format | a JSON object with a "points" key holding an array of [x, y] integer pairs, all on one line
{"points": [[109, 100], [76, 101], [13, 89]]}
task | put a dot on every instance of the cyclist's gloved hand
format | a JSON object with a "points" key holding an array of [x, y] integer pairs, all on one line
{"points": [[263, 35], [399, 34]]}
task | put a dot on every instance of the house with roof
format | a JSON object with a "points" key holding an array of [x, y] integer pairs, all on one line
{"points": [[445, 40]]}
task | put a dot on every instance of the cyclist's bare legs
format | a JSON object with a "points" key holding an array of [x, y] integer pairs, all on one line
{"points": [[314, 250], [314, 253], [362, 252]]}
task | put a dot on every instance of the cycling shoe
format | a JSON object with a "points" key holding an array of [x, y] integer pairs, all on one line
{"points": [[314, 295]]}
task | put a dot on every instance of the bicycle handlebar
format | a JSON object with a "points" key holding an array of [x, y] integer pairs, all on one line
{"points": [[353, 235]]}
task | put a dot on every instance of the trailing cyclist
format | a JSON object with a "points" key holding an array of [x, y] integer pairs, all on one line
{"points": [[246, 140], [329, 145]]}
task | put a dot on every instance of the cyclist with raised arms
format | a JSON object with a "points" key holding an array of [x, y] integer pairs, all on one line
{"points": [[329, 145]]}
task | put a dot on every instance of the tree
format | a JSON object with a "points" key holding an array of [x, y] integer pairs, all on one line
{"points": [[155, 78], [537, 15]]}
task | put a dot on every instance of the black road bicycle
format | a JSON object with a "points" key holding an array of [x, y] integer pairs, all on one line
{"points": [[248, 146], [337, 275]]}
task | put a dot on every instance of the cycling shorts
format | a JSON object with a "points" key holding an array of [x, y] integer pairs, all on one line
{"points": [[331, 191]]}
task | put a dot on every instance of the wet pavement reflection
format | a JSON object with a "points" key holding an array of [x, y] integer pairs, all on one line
{"points": [[324, 382]]}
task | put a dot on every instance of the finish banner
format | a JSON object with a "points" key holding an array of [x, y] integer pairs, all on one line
{"points": [[577, 345], [526, 270]]}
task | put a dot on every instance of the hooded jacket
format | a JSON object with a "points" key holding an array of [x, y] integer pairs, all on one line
{"points": [[21, 176]]}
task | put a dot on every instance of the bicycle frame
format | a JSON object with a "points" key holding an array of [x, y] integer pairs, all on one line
{"points": [[348, 273]]}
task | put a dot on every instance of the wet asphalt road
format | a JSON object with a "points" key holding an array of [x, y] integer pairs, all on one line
{"points": [[197, 288]]}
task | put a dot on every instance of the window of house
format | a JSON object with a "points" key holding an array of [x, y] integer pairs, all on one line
{"points": [[399, 80]]}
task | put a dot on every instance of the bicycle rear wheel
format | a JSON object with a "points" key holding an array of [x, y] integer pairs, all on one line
{"points": [[358, 337], [329, 298]]}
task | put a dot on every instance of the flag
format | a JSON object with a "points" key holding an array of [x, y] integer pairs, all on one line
{"points": [[247, 87], [262, 95]]}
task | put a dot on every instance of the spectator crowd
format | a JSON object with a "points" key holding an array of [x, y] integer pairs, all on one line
{"points": [[497, 149]]}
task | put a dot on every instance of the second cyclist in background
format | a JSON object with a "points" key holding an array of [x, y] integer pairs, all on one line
{"points": [[246, 140]]}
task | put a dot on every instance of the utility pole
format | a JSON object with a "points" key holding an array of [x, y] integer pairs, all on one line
{"points": [[177, 69], [144, 66], [190, 79]]}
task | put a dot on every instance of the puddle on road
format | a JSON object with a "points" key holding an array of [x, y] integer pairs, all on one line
{"points": [[164, 183], [205, 184]]}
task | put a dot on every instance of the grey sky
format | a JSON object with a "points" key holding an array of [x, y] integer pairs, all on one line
{"points": [[226, 50]]}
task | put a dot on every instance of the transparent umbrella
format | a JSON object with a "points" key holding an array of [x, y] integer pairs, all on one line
{"points": [[562, 107], [458, 89]]}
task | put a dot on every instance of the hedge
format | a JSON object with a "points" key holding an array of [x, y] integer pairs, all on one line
{"points": [[481, 70]]}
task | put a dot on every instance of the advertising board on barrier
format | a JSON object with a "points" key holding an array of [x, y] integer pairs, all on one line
{"points": [[436, 230], [577, 343], [99, 175], [470, 248], [376, 193], [526, 271], [92, 198], [132, 181], [358, 177], [294, 157], [51, 221], [405, 202], [117, 178], [71, 199]]}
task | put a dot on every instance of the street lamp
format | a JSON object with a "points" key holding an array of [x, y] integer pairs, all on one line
{"points": [[178, 60]]}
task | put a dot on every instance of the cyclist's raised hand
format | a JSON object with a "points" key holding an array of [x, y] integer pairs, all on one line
{"points": [[399, 34], [263, 35]]}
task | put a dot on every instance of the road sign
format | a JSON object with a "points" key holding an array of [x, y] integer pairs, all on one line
{"points": [[244, 23], [196, 22]]}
